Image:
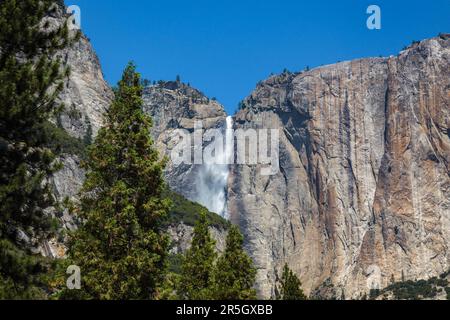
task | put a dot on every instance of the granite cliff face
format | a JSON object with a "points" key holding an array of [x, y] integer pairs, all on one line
{"points": [[175, 106], [172, 105], [363, 193], [363, 190], [87, 96]]}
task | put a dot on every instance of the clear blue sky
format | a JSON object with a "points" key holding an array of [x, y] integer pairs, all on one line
{"points": [[225, 47]]}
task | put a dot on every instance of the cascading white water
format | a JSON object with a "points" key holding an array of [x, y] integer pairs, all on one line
{"points": [[211, 182]]}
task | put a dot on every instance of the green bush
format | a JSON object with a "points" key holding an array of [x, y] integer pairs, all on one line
{"points": [[412, 290]]}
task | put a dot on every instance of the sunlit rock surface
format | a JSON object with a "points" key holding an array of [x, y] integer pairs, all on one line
{"points": [[363, 192]]}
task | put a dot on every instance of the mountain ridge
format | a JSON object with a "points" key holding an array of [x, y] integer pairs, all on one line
{"points": [[342, 127], [328, 214]]}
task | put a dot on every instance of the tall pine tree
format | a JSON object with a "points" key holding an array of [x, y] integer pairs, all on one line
{"points": [[197, 281], [290, 286], [235, 274], [30, 80], [120, 247]]}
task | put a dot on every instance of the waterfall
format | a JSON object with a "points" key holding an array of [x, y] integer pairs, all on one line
{"points": [[212, 179]]}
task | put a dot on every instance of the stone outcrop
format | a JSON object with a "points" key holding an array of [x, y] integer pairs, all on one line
{"points": [[173, 106], [86, 95], [363, 190], [181, 236]]}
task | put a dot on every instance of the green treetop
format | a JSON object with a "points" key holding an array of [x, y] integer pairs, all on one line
{"points": [[235, 274], [290, 286], [198, 265], [120, 247]]}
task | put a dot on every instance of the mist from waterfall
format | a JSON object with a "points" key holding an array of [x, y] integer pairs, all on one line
{"points": [[212, 179]]}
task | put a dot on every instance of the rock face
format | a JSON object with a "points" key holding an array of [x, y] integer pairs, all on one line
{"points": [[174, 106], [181, 236], [171, 104], [363, 193], [86, 95]]}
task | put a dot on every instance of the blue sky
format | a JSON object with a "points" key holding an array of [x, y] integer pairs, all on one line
{"points": [[225, 47]]}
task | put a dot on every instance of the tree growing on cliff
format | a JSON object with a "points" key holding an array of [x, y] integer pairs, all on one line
{"points": [[120, 248], [30, 80], [290, 288], [197, 281], [234, 273]]}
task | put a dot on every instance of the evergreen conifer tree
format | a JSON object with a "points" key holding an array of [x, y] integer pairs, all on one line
{"points": [[290, 286], [120, 248], [196, 281], [30, 80], [235, 274]]}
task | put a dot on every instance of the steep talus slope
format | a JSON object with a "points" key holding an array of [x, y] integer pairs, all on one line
{"points": [[362, 194]]}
